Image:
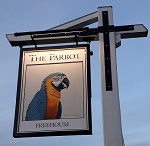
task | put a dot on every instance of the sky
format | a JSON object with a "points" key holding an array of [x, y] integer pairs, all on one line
{"points": [[132, 65]]}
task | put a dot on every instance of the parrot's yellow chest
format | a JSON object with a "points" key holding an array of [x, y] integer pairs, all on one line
{"points": [[52, 101]]}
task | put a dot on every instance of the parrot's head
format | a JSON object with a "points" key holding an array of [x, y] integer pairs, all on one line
{"points": [[58, 80]]}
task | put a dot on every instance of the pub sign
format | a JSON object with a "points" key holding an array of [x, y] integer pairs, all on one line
{"points": [[54, 92]]}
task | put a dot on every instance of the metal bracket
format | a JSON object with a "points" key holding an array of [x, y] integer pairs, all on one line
{"points": [[33, 41]]}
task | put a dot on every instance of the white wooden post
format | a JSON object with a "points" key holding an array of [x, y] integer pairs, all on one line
{"points": [[109, 84]]}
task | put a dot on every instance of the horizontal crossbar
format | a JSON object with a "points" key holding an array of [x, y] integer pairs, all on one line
{"points": [[68, 35], [79, 31]]}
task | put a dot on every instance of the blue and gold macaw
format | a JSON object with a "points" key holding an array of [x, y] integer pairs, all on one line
{"points": [[46, 102]]}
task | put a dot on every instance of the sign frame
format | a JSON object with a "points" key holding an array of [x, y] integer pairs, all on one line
{"points": [[22, 93]]}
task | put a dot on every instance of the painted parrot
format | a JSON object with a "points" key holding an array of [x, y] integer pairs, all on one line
{"points": [[46, 102]]}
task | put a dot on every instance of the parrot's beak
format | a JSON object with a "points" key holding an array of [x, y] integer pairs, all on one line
{"points": [[65, 82]]}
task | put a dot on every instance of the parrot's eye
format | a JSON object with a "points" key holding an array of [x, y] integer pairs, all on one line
{"points": [[55, 78], [58, 78]]}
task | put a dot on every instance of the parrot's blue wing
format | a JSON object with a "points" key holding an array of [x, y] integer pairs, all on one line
{"points": [[37, 107], [58, 116]]}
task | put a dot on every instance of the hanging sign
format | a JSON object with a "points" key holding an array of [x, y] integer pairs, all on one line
{"points": [[54, 92]]}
